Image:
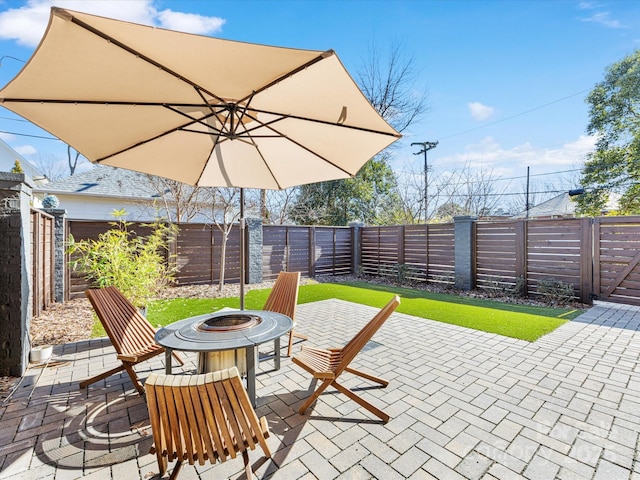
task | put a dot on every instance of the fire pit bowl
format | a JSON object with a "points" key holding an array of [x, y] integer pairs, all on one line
{"points": [[230, 321]]}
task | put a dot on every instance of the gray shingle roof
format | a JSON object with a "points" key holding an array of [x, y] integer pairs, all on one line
{"points": [[105, 182]]}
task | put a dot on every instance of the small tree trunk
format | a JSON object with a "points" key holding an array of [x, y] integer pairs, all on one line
{"points": [[223, 258]]}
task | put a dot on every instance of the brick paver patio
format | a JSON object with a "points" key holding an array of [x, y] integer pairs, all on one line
{"points": [[463, 405]]}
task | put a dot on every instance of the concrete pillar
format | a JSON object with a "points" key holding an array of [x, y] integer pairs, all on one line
{"points": [[15, 273], [59, 216], [465, 252], [254, 249]]}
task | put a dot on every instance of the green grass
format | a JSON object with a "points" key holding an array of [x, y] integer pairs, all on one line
{"points": [[524, 322]]}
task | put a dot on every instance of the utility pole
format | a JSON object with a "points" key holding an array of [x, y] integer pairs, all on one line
{"points": [[426, 146]]}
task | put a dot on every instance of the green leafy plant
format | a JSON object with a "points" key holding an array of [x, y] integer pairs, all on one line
{"points": [[555, 290], [139, 266], [17, 167]]}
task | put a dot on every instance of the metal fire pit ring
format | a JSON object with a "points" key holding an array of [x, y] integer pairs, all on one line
{"points": [[186, 336], [231, 321]]}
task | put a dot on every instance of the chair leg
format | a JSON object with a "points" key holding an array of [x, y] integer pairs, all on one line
{"points": [[102, 376], [292, 334], [176, 470], [134, 378], [368, 376], [314, 396], [177, 357], [247, 467], [363, 403]]}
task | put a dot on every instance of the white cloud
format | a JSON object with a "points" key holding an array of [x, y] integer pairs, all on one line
{"points": [[479, 111], [190, 22], [489, 154], [27, 24], [603, 18], [588, 5], [26, 150]]}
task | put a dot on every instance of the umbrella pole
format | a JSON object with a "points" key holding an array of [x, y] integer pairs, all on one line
{"points": [[242, 247]]}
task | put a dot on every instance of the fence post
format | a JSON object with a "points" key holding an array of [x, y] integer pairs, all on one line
{"points": [[356, 246], [59, 216], [465, 252], [312, 251], [586, 260], [15, 273], [254, 249], [521, 255]]}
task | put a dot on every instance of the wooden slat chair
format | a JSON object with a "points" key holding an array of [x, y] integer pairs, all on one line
{"points": [[130, 333], [283, 299], [203, 417], [328, 364]]}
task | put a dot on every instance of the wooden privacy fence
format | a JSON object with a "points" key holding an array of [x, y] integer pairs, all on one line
{"points": [[311, 250], [599, 258], [616, 253], [42, 260], [423, 253]]}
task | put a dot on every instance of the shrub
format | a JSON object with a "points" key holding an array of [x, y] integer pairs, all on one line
{"points": [[555, 290], [134, 264]]}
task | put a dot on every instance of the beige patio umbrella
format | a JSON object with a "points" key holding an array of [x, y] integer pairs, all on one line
{"points": [[197, 109]]}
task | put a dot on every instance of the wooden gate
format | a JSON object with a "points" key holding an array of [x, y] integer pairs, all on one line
{"points": [[617, 259], [42, 263]]}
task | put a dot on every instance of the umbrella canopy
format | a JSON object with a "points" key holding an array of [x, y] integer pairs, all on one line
{"points": [[196, 109], [200, 110]]}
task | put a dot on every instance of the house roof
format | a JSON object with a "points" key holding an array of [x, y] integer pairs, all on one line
{"points": [[559, 206], [563, 206], [104, 181], [8, 157]]}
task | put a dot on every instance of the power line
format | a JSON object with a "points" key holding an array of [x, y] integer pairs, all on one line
{"points": [[505, 178], [485, 195], [27, 135], [516, 115], [15, 119]]}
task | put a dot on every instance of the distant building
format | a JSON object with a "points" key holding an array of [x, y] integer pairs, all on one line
{"points": [[8, 157], [96, 193], [562, 206]]}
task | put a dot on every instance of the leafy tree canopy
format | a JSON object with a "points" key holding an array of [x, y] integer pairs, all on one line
{"points": [[370, 197], [615, 118]]}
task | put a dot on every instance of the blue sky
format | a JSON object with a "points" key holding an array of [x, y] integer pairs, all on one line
{"points": [[506, 80]]}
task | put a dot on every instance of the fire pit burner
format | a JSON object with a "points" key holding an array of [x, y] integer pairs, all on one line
{"points": [[229, 322]]}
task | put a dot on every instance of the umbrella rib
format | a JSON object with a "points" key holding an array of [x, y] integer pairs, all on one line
{"points": [[280, 134], [325, 122], [99, 102], [266, 164], [221, 131], [138, 54], [302, 67], [147, 140]]}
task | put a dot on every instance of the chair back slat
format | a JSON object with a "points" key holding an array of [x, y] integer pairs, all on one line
{"points": [[353, 347], [283, 297], [127, 329], [202, 417]]}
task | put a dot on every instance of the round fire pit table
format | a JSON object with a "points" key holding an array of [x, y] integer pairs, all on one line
{"points": [[226, 330]]}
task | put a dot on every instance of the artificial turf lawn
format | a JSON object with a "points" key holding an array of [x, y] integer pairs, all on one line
{"points": [[524, 322]]}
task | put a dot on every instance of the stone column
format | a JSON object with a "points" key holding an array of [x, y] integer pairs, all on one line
{"points": [[59, 216], [465, 252], [15, 273], [254, 249]]}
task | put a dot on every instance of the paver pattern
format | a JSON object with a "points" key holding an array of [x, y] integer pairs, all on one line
{"points": [[464, 405]]}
